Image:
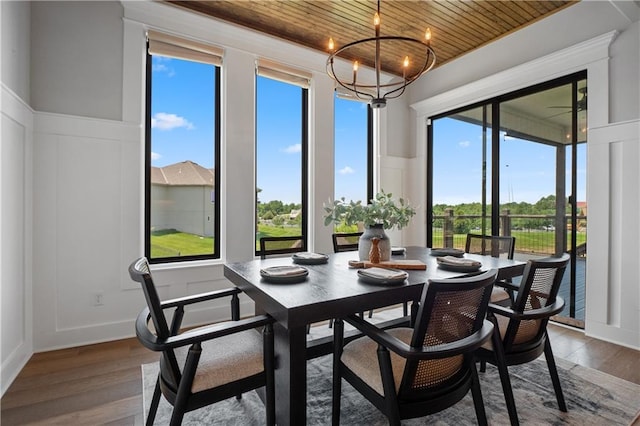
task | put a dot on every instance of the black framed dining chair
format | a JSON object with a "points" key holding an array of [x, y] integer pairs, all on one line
{"points": [[520, 330], [412, 372], [208, 364], [271, 246], [345, 241], [494, 246]]}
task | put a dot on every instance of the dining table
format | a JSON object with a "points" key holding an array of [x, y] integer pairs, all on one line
{"points": [[333, 289]]}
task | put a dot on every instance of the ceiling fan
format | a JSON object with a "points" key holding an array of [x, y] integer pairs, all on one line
{"points": [[582, 103]]}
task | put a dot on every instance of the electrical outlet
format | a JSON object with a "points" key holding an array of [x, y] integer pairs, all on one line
{"points": [[98, 299]]}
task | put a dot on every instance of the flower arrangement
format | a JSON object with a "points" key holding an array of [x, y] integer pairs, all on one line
{"points": [[382, 210]]}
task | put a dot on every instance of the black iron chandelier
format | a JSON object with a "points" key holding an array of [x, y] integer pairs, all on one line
{"points": [[378, 93]]}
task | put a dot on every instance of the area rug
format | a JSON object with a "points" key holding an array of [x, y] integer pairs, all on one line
{"points": [[593, 398]]}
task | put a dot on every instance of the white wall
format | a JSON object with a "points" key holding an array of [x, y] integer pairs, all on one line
{"points": [[87, 34], [608, 48], [16, 192]]}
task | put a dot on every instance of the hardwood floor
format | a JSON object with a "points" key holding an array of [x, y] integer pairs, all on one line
{"points": [[101, 383]]}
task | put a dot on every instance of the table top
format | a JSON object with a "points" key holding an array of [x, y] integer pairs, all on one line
{"points": [[333, 289]]}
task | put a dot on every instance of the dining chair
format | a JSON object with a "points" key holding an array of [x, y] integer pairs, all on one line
{"points": [[280, 245], [412, 372], [208, 364], [495, 246], [520, 330], [492, 245], [345, 241]]}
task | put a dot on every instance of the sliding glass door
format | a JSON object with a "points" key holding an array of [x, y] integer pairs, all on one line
{"points": [[515, 165], [461, 186]]}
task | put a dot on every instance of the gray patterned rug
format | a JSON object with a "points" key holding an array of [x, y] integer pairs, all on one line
{"points": [[593, 398]]}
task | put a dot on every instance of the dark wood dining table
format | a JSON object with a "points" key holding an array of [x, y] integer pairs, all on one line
{"points": [[331, 290]]}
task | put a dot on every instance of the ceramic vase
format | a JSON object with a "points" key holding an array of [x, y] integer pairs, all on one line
{"points": [[384, 244]]}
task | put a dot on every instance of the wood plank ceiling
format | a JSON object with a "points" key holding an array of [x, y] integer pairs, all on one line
{"points": [[457, 26]]}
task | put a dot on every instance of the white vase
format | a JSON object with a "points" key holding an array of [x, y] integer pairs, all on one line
{"points": [[384, 245]]}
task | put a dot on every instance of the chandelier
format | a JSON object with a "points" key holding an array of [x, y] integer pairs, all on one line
{"points": [[379, 93]]}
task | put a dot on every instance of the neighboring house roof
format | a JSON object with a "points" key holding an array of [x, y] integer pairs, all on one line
{"points": [[186, 173]]}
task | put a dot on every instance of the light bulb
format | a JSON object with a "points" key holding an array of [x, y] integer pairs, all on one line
{"points": [[355, 66], [405, 63], [427, 35], [376, 20], [332, 45]]}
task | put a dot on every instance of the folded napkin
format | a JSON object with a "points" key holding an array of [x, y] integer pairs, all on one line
{"points": [[283, 271], [384, 274], [309, 255], [451, 260]]}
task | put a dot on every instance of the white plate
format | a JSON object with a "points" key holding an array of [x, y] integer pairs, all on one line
{"points": [[446, 252], [307, 258], [381, 276], [284, 274]]}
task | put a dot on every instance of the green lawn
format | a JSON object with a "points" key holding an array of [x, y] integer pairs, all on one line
{"points": [[275, 231], [541, 242], [171, 243]]}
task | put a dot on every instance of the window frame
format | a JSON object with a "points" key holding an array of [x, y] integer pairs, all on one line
{"points": [[304, 152], [148, 165], [369, 148]]}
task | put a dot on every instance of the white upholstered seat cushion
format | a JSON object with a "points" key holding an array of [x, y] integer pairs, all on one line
{"points": [[226, 359]]}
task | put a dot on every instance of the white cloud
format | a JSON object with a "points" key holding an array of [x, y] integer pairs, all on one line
{"points": [[346, 171], [292, 149], [159, 66], [464, 144], [164, 121], [155, 156]]}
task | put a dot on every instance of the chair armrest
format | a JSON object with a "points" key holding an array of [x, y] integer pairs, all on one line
{"points": [[507, 285], [532, 314], [213, 331], [425, 352], [201, 297]]}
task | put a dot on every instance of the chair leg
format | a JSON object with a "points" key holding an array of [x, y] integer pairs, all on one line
{"points": [[405, 309], [155, 400], [184, 388], [388, 386], [483, 366], [501, 363], [269, 367], [338, 340], [478, 403], [555, 379], [370, 313]]}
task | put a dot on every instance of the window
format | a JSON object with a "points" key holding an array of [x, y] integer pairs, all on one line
{"points": [[353, 152], [182, 150], [281, 153]]}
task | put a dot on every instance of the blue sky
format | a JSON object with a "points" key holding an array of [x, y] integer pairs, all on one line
{"points": [[182, 129], [527, 169]]}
